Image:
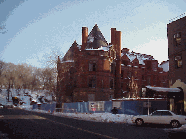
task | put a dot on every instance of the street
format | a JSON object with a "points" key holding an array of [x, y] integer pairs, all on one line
{"points": [[19, 123]]}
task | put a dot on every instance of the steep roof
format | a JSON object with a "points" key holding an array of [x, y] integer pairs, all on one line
{"points": [[141, 57], [70, 53], [95, 39]]}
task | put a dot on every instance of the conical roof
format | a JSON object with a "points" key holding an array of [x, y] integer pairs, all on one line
{"points": [[70, 53], [95, 39]]}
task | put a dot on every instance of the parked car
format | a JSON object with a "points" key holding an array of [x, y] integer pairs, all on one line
{"points": [[160, 117]]}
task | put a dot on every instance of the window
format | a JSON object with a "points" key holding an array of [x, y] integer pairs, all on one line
{"points": [[156, 113], [92, 82], [111, 83], [177, 38], [112, 70], [92, 66], [178, 61], [122, 72], [148, 65], [166, 113], [129, 74]]}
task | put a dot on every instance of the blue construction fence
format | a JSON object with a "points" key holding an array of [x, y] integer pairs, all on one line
{"points": [[47, 107], [131, 107]]}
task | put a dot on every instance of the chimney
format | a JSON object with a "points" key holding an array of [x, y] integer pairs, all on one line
{"points": [[116, 41], [118, 44], [113, 30], [84, 37]]}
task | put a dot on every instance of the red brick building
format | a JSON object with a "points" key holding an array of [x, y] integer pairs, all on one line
{"points": [[98, 71], [176, 34], [139, 70]]}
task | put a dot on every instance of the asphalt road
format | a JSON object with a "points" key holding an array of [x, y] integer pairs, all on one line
{"points": [[20, 124]]}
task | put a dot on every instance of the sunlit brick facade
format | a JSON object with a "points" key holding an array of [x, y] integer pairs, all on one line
{"points": [[98, 71]]}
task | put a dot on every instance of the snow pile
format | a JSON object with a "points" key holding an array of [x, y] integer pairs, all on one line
{"points": [[96, 117]]}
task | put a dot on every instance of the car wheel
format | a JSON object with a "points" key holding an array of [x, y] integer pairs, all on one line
{"points": [[175, 124], [139, 122]]}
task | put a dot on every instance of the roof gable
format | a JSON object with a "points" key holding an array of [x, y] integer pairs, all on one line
{"points": [[70, 53]]}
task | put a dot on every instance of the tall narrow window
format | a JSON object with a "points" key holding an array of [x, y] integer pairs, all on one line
{"points": [[92, 66], [177, 38], [92, 82], [112, 68], [149, 65], [111, 83], [178, 61], [122, 72]]}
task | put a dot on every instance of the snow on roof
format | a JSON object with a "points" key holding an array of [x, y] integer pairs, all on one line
{"points": [[103, 48], [141, 57], [90, 39], [79, 46], [163, 89], [95, 39], [121, 99], [67, 61]]}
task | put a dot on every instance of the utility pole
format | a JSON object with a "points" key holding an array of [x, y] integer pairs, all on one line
{"points": [[8, 91]]}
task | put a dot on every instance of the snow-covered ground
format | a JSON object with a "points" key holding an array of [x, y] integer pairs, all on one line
{"points": [[24, 95]]}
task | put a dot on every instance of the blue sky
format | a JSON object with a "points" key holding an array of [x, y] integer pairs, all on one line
{"points": [[32, 30]]}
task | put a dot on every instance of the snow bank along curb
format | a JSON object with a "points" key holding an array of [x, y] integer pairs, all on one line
{"points": [[97, 117], [102, 117]]}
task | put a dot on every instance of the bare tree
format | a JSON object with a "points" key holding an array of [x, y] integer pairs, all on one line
{"points": [[2, 67]]}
